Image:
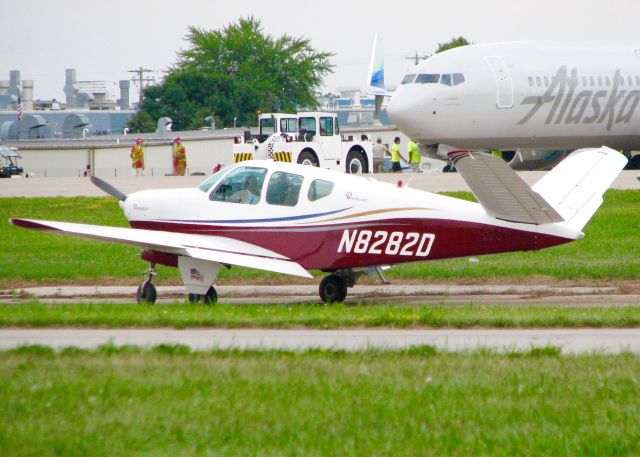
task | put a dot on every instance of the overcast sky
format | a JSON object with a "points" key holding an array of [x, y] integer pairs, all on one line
{"points": [[104, 39]]}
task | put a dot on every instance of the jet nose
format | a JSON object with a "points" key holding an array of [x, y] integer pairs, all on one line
{"points": [[406, 111]]}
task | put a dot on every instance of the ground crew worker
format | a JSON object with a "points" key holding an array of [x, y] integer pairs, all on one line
{"points": [[137, 158], [396, 156], [414, 156], [379, 151], [179, 157]]}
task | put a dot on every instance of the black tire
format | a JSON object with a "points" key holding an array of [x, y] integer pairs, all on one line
{"points": [[356, 163], [333, 289], [210, 298], [308, 158], [146, 293], [633, 163]]}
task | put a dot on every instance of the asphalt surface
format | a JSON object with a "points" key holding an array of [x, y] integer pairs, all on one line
{"points": [[570, 341], [77, 187], [398, 294]]}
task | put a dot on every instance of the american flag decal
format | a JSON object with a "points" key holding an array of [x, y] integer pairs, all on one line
{"points": [[195, 274]]}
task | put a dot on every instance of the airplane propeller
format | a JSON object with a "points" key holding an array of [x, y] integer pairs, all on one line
{"points": [[108, 188]]}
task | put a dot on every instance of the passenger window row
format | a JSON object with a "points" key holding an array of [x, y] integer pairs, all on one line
{"points": [[585, 81], [244, 185], [448, 79]]}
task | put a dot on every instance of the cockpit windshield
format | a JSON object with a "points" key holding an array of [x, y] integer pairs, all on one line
{"points": [[427, 78], [446, 79], [211, 180]]}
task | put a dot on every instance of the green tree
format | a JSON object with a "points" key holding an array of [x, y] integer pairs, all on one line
{"points": [[233, 73], [452, 43]]}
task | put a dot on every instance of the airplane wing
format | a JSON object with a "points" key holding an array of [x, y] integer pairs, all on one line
{"points": [[212, 248], [500, 191]]}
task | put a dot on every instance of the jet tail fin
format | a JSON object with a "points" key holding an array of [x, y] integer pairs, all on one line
{"points": [[501, 192], [576, 185], [375, 81]]}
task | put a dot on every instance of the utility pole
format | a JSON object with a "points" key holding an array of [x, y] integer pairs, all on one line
{"points": [[141, 80], [417, 58]]}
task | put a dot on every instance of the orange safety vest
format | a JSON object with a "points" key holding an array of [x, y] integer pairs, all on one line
{"points": [[180, 157], [137, 156]]}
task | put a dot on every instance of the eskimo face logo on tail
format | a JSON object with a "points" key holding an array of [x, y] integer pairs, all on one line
{"points": [[612, 105]]}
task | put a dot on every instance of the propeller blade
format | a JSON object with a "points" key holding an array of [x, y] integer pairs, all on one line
{"points": [[108, 188]]}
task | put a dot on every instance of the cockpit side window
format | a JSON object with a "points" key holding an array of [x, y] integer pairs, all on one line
{"points": [[284, 189], [408, 79], [242, 185], [445, 79], [427, 78], [318, 189], [211, 180], [458, 78]]}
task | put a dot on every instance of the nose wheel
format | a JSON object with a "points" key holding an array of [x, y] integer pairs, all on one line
{"points": [[146, 293], [210, 298], [333, 289]]}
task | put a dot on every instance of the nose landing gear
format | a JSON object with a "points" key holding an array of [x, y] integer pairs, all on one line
{"points": [[146, 293]]}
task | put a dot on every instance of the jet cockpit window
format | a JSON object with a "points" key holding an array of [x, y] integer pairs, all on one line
{"points": [[242, 185], [427, 78], [289, 125], [284, 189], [267, 126], [445, 79], [458, 78], [318, 189], [408, 79]]}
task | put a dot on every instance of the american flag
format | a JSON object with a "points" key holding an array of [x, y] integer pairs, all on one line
{"points": [[20, 110]]}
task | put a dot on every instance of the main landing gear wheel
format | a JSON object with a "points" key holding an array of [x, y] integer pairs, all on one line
{"points": [[146, 293], [210, 298], [333, 289]]}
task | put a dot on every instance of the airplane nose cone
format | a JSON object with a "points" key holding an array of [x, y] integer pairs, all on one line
{"points": [[406, 112]]}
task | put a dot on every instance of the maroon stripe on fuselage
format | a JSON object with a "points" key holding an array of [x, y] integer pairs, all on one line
{"points": [[317, 247]]}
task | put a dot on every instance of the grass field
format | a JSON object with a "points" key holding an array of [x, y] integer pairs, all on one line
{"points": [[312, 316], [609, 251], [168, 401]]}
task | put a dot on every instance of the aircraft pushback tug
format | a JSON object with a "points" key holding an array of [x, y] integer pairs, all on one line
{"points": [[291, 218]]}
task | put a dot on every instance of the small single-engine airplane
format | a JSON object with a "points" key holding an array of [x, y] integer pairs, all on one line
{"points": [[290, 218]]}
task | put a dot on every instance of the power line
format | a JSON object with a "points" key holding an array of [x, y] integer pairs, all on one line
{"points": [[417, 58], [141, 80]]}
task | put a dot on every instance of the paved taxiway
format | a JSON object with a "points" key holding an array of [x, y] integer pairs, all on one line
{"points": [[399, 294], [569, 340], [77, 187]]}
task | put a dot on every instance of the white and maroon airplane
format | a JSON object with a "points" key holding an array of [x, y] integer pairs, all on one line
{"points": [[534, 100], [290, 218]]}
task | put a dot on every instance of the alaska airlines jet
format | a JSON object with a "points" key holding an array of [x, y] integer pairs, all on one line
{"points": [[536, 100]]}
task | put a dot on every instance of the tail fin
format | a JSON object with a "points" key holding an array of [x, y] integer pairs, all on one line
{"points": [[575, 186], [375, 81]]}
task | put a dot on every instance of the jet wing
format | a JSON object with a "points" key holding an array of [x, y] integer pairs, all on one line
{"points": [[500, 191], [213, 248]]}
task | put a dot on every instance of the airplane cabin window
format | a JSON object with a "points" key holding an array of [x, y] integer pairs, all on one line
{"points": [[538, 81], [242, 185], [427, 78], [408, 79], [530, 81], [326, 126], [211, 180], [318, 189], [592, 81], [284, 189], [600, 81], [546, 80], [458, 78], [288, 125], [445, 79]]}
